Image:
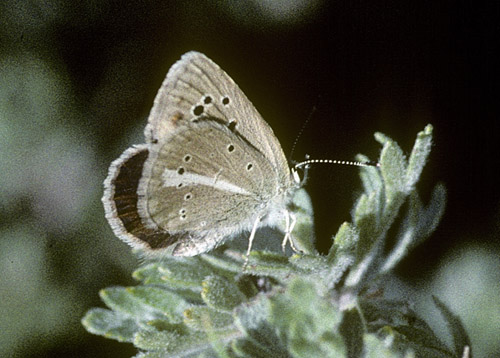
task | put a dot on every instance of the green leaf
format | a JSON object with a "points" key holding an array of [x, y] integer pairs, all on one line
{"points": [[267, 263], [383, 312], [422, 341], [170, 304], [366, 218], [393, 169], [149, 274], [261, 338], [352, 330], [245, 347], [158, 273], [154, 274], [303, 231], [254, 314], [433, 213], [307, 321], [370, 176], [382, 138], [179, 341], [365, 211], [187, 273], [455, 326], [221, 294], [406, 239], [223, 261], [202, 318], [378, 348], [419, 223], [418, 157], [121, 300], [110, 324], [308, 263], [173, 341], [341, 254], [344, 241]]}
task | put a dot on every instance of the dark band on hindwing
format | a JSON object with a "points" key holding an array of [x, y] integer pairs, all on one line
{"points": [[125, 199]]}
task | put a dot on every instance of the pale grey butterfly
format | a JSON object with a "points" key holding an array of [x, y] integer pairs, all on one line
{"points": [[211, 168]]}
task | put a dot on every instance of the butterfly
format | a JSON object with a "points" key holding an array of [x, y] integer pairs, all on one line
{"points": [[210, 168]]}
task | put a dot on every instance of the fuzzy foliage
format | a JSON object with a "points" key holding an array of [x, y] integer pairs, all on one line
{"points": [[302, 306]]}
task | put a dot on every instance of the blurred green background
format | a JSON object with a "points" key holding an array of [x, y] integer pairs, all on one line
{"points": [[77, 80]]}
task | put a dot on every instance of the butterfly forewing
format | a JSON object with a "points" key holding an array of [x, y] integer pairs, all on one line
{"points": [[195, 86], [204, 162]]}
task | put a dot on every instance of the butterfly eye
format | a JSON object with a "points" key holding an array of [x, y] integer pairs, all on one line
{"points": [[187, 158], [230, 148], [188, 196], [180, 170], [249, 166], [225, 100], [207, 99]]}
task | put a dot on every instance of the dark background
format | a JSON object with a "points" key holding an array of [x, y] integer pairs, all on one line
{"points": [[78, 81]]}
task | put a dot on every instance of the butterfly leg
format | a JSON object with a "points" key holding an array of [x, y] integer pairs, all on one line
{"points": [[288, 231], [250, 241]]}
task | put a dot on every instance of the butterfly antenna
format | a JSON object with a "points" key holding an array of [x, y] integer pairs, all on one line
{"points": [[333, 161], [301, 131]]}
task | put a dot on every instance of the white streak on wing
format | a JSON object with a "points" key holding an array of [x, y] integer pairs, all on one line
{"points": [[172, 178]]}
